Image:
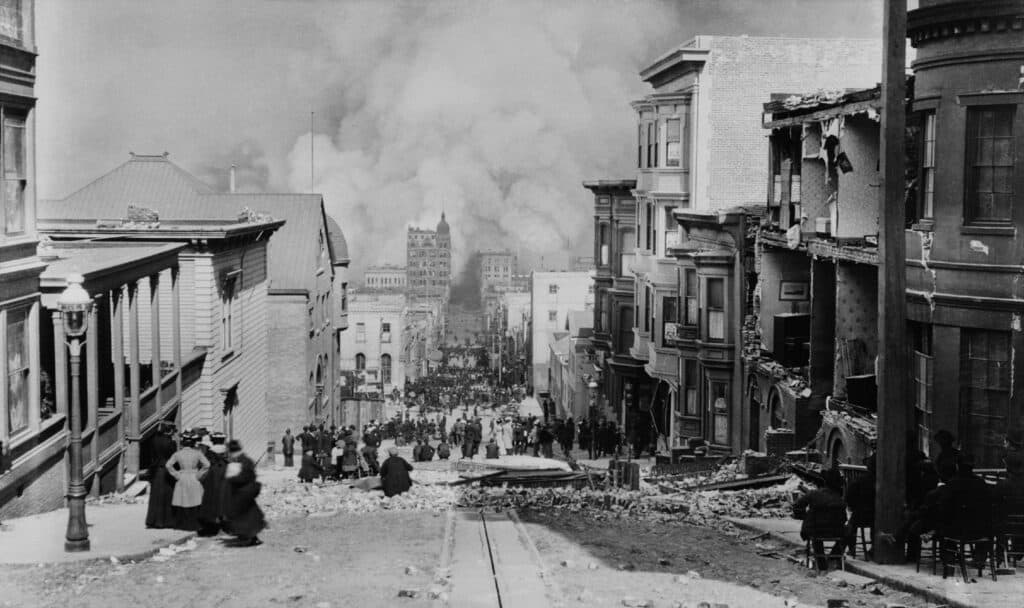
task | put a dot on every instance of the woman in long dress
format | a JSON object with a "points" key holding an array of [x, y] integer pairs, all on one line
{"points": [[161, 483], [187, 466], [244, 517]]}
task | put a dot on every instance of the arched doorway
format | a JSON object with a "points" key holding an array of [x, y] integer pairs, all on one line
{"points": [[837, 452], [776, 415]]}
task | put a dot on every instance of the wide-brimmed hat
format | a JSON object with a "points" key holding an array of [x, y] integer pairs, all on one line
{"points": [[234, 446]]}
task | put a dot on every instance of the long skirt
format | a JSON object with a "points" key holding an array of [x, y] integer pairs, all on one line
{"points": [[161, 490], [289, 460], [187, 518]]}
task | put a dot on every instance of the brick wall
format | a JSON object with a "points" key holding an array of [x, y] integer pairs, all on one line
{"points": [[741, 74], [289, 394]]}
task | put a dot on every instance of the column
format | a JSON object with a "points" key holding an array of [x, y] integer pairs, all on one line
{"points": [[176, 335], [131, 415], [92, 391], [60, 364], [117, 348], [154, 338]]}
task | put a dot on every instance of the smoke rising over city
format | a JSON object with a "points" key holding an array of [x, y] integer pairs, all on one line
{"points": [[491, 111]]}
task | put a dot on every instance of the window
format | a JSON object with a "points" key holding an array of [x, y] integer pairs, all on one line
{"points": [[602, 245], [14, 174], [671, 229], [18, 367], [385, 332], [227, 313], [11, 24], [552, 316], [669, 318], [625, 329], [985, 393], [650, 145], [673, 147], [552, 288], [385, 368], [718, 395], [627, 245], [690, 297], [716, 309], [360, 362], [648, 313], [921, 372], [690, 388], [649, 227], [639, 146], [990, 157], [927, 184], [360, 332]]}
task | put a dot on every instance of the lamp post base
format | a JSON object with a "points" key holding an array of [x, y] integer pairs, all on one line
{"points": [[74, 546]]}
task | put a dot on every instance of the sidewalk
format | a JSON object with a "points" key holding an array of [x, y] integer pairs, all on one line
{"points": [[986, 593], [114, 530]]}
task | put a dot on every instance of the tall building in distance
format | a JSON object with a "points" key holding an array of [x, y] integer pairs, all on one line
{"points": [[386, 278], [429, 263], [496, 271]]}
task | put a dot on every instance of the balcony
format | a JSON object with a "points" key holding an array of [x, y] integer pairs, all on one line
{"points": [[663, 362], [641, 341]]}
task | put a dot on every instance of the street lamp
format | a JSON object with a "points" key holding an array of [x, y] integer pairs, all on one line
{"points": [[75, 304]]}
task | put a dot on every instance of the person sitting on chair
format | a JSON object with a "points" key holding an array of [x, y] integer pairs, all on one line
{"points": [[823, 512], [860, 498]]}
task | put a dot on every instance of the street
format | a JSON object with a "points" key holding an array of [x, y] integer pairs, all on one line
{"points": [[329, 545]]}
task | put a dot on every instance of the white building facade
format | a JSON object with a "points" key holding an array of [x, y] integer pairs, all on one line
{"points": [[552, 296], [372, 345]]}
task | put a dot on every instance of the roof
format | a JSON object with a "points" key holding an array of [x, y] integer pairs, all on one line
{"points": [[795, 109], [156, 183], [336, 238], [562, 346], [103, 264]]}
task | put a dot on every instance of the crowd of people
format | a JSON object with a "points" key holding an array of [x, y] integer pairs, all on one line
{"points": [[204, 483], [944, 498]]}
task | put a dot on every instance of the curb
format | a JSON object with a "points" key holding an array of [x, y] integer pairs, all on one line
{"points": [[136, 556], [858, 567], [148, 553]]}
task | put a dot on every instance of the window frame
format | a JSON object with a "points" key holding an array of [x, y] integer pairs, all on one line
{"points": [[360, 332], [718, 309], [13, 119], [26, 370], [926, 165], [229, 296], [968, 384], [971, 217]]}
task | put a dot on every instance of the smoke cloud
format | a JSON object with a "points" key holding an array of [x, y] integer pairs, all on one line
{"points": [[492, 111]]}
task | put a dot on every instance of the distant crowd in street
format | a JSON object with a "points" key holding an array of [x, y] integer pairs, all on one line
{"points": [[204, 483]]}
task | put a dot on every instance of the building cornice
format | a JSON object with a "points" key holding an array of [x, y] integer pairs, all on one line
{"points": [[964, 18]]}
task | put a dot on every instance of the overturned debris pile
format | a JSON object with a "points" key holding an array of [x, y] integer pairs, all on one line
{"points": [[703, 508]]}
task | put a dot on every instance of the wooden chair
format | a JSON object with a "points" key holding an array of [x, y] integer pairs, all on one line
{"points": [[929, 550], [954, 552], [827, 543]]}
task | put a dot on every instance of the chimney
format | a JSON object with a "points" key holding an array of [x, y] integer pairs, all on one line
{"points": [[231, 187]]}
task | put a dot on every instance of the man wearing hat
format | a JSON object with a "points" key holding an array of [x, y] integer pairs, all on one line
{"points": [[243, 517]]}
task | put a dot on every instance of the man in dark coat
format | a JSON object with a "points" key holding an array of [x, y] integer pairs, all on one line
{"points": [[823, 512], [394, 474], [288, 447], [161, 484], [211, 511], [244, 518]]}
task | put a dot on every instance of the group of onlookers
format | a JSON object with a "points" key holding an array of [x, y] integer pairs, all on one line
{"points": [[203, 483], [334, 453]]}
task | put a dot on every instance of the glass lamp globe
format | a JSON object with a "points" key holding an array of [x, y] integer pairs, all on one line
{"points": [[74, 304]]}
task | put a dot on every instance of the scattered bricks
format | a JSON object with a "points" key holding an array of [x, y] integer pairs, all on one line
{"points": [[664, 562], [412, 570], [591, 566], [627, 566], [837, 604], [435, 593], [681, 579], [693, 574], [637, 603], [567, 563], [843, 579], [410, 593]]}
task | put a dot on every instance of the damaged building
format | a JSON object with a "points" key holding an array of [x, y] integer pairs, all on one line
{"points": [[812, 340]]}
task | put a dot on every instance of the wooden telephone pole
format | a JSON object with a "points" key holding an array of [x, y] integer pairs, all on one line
{"points": [[890, 481]]}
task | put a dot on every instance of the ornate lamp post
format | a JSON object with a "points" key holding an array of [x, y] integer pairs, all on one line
{"points": [[75, 304]]}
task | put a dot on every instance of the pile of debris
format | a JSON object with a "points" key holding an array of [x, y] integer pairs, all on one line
{"points": [[293, 498], [703, 508]]}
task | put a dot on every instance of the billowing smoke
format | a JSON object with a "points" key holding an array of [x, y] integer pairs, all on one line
{"points": [[493, 112], [466, 286]]}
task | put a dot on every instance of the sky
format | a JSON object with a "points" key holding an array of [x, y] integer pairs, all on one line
{"points": [[493, 112]]}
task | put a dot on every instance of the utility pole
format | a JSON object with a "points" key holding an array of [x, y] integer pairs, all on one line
{"points": [[890, 480]]}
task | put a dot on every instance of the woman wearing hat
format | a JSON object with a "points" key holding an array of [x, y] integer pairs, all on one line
{"points": [[244, 517], [187, 466], [211, 511], [161, 484]]}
